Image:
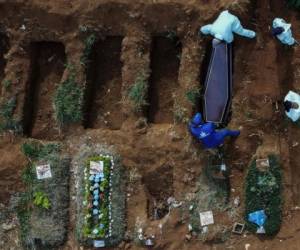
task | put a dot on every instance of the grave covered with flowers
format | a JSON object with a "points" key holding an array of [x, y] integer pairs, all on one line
{"points": [[101, 199], [97, 197]]}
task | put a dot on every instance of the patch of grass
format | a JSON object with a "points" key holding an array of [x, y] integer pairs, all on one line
{"points": [[7, 122], [138, 93], [179, 112], [83, 28], [24, 216], [89, 44], [68, 100], [6, 84], [24, 205], [35, 150], [193, 95], [7, 109], [28, 175], [294, 3], [248, 115], [264, 192]]}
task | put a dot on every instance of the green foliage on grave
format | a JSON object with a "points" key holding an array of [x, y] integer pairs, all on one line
{"points": [[264, 192]]}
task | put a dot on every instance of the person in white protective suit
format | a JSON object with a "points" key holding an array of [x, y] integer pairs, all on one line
{"points": [[282, 30], [224, 26], [292, 105]]}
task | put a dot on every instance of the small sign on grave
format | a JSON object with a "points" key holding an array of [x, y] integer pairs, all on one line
{"points": [[99, 243], [43, 171], [262, 164], [238, 228], [96, 167], [206, 218]]}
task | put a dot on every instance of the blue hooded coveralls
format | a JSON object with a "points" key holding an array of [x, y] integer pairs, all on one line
{"points": [[224, 26], [207, 133]]}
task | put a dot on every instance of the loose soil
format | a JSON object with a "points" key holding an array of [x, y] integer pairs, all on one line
{"points": [[160, 158]]}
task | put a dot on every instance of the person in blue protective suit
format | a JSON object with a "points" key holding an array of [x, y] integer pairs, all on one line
{"points": [[224, 26], [207, 133], [282, 30]]}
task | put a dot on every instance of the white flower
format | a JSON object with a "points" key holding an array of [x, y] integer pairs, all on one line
{"points": [[95, 231]]}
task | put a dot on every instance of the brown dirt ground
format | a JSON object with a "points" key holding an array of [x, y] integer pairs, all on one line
{"points": [[264, 71]]}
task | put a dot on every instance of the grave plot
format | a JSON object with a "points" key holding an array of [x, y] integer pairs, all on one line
{"points": [[43, 207], [100, 199], [158, 195], [46, 70], [165, 62], [104, 85], [264, 193]]}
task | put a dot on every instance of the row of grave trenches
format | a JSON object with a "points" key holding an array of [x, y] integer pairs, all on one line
{"points": [[108, 78], [151, 41]]}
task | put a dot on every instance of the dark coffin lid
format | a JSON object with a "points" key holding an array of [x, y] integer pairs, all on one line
{"points": [[218, 84]]}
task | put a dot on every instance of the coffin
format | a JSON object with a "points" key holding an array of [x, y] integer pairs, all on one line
{"points": [[218, 84]]}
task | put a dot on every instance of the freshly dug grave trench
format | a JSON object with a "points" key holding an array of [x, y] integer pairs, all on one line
{"points": [[46, 70], [159, 187], [104, 85], [165, 62]]}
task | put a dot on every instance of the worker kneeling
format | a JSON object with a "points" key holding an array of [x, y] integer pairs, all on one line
{"points": [[207, 133], [224, 26]]}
